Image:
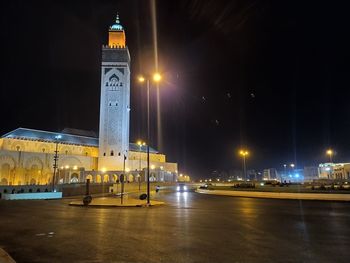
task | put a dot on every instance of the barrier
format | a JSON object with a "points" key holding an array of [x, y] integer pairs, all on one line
{"points": [[33, 196]]}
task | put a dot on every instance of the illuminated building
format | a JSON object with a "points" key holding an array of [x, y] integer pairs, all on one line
{"points": [[334, 171], [27, 155]]}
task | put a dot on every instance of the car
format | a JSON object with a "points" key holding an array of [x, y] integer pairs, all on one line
{"points": [[181, 188]]}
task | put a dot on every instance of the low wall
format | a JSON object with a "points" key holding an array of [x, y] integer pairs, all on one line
{"points": [[80, 189], [32, 196], [299, 196]]}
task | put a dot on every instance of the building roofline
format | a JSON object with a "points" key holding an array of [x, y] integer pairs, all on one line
{"points": [[35, 130]]}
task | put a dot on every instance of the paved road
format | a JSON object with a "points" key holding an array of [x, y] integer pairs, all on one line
{"points": [[191, 228]]}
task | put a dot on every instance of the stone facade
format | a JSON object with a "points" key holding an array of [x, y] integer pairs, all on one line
{"points": [[28, 160]]}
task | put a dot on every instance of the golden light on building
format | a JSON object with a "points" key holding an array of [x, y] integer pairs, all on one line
{"points": [[116, 35]]}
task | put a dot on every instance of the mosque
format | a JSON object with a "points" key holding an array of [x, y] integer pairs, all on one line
{"points": [[28, 156]]}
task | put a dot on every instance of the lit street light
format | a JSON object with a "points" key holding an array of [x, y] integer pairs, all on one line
{"points": [[330, 153], [55, 159], [244, 153], [140, 144], [156, 77]]}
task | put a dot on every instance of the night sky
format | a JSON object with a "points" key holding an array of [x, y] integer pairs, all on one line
{"points": [[272, 76]]}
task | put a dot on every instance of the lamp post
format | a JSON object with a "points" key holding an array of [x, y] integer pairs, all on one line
{"points": [[244, 153], [285, 172], [330, 154], [140, 144], [55, 159], [122, 178], [156, 77]]}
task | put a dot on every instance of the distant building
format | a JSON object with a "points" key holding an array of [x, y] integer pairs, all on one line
{"points": [[252, 174], [235, 174], [310, 173], [270, 174], [334, 171]]}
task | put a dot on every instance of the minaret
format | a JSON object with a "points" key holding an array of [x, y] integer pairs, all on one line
{"points": [[115, 101]]}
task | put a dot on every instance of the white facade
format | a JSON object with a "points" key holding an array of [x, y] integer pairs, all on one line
{"points": [[114, 108]]}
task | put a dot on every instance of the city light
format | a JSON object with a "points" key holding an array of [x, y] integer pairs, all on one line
{"points": [[157, 77], [243, 152], [141, 79], [141, 143], [330, 153]]}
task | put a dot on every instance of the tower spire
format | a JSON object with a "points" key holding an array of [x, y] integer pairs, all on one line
{"points": [[116, 34], [117, 19]]}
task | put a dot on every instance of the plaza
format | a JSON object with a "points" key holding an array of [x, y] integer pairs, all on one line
{"points": [[190, 227]]}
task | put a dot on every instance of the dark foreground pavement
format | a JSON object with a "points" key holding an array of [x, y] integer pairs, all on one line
{"points": [[189, 228]]}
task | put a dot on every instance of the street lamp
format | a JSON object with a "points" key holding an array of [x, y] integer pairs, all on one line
{"points": [[156, 78], [122, 178], [244, 153], [140, 144], [55, 159], [330, 153], [285, 172]]}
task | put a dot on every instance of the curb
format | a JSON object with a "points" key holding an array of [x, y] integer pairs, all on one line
{"points": [[79, 203], [272, 195], [5, 257]]}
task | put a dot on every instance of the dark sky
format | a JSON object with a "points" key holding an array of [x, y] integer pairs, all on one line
{"points": [[272, 76]]}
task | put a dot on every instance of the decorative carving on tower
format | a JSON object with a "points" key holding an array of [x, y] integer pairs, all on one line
{"points": [[115, 100]]}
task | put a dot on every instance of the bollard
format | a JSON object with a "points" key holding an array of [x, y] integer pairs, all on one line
{"points": [[88, 198]]}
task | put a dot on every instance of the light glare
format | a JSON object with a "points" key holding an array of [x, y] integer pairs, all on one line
{"points": [[157, 77]]}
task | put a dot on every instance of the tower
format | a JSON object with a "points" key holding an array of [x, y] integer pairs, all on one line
{"points": [[115, 101]]}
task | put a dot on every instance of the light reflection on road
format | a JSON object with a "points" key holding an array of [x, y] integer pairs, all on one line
{"points": [[182, 199]]}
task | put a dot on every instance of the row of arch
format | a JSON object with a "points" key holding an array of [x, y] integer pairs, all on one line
{"points": [[50, 148]]}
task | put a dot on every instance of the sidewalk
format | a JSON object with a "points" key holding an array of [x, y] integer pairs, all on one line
{"points": [[116, 202]]}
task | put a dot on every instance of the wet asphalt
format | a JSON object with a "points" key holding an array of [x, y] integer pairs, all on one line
{"points": [[191, 227]]}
